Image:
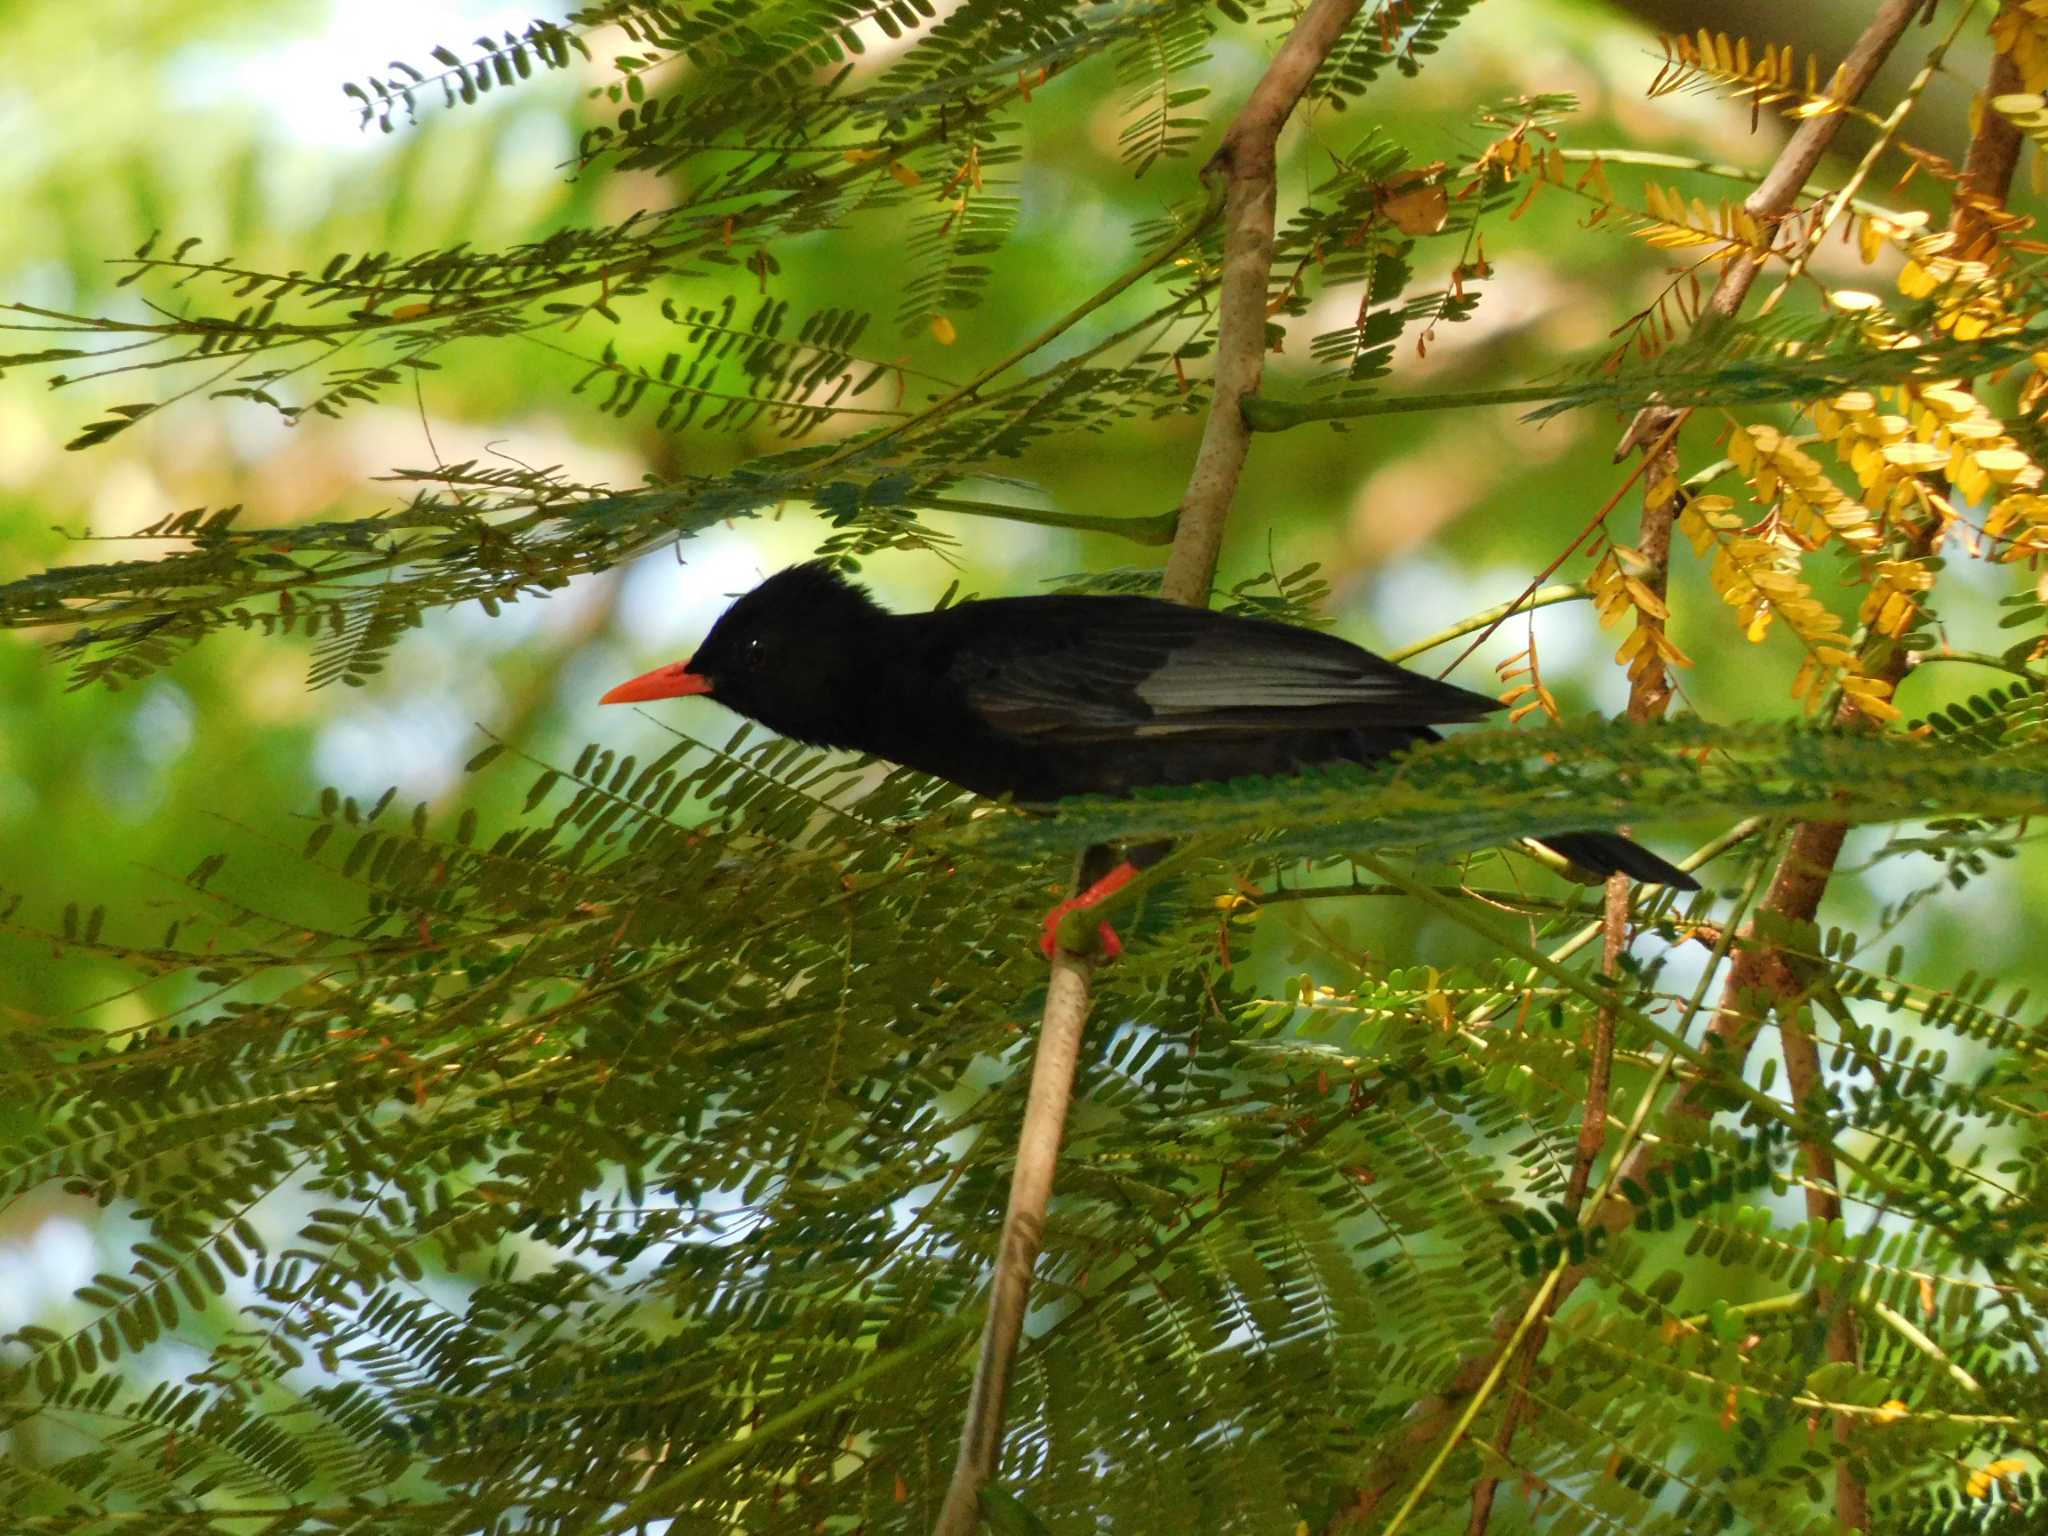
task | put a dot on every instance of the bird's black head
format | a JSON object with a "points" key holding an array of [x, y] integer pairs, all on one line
{"points": [[790, 654]]}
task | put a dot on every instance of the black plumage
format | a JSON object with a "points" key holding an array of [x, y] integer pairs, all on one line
{"points": [[1039, 698]]}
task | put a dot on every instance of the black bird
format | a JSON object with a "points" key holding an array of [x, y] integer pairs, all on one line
{"points": [[1039, 698]]}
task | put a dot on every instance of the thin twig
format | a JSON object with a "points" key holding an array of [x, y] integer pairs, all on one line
{"points": [[1245, 165], [1986, 179], [1801, 156], [1669, 432], [1241, 175], [1810, 241], [1824, 1207], [1648, 697], [1528, 602], [1154, 529], [1038, 1150], [863, 447], [1592, 1137], [1796, 888]]}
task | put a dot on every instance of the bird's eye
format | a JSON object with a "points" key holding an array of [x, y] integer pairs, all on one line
{"points": [[755, 651]]}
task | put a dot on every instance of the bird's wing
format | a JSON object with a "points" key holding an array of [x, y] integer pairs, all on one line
{"points": [[1106, 669]]}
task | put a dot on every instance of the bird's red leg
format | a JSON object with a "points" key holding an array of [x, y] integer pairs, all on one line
{"points": [[1100, 891]]}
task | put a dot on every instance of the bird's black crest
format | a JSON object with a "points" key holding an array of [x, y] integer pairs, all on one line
{"points": [[809, 587]]}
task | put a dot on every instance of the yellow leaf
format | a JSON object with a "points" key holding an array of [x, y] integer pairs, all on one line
{"points": [[1671, 653], [1915, 281], [905, 174], [1950, 399], [1915, 458], [1898, 611], [1645, 599], [942, 328], [1437, 1003], [1999, 463], [1982, 1480]]}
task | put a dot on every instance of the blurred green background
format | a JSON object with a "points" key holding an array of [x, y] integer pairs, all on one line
{"points": [[226, 121]]}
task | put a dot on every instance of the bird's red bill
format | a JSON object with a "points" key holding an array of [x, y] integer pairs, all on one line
{"points": [[673, 681]]}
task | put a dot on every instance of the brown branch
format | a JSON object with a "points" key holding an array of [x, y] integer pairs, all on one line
{"points": [[1801, 156], [1974, 221], [1038, 1150], [1987, 167], [1801, 878], [1244, 166], [1592, 1137], [1824, 1205]]}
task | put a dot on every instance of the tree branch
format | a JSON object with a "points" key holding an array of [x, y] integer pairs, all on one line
{"points": [[1038, 1150], [1244, 163], [1528, 602], [1801, 878], [1980, 196], [1243, 169], [1592, 1137], [1801, 156]]}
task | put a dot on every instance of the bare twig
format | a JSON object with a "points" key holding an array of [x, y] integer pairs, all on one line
{"points": [[1648, 697], [1824, 1206], [1242, 172], [1244, 163], [1801, 156], [1980, 196], [1592, 1137], [1801, 878], [1831, 210], [1038, 1150]]}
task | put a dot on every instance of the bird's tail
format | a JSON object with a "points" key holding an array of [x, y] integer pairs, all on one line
{"points": [[1609, 853]]}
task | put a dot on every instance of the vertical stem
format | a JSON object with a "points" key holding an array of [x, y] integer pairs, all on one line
{"points": [[1799, 882], [1592, 1138], [1038, 1150], [1244, 165], [1824, 1204], [1245, 162]]}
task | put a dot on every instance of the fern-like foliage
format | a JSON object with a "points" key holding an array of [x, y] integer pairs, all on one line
{"points": [[646, 1077], [499, 63], [633, 1153], [1156, 120]]}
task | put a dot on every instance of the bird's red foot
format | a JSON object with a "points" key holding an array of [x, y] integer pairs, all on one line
{"points": [[1112, 947], [1100, 891]]}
